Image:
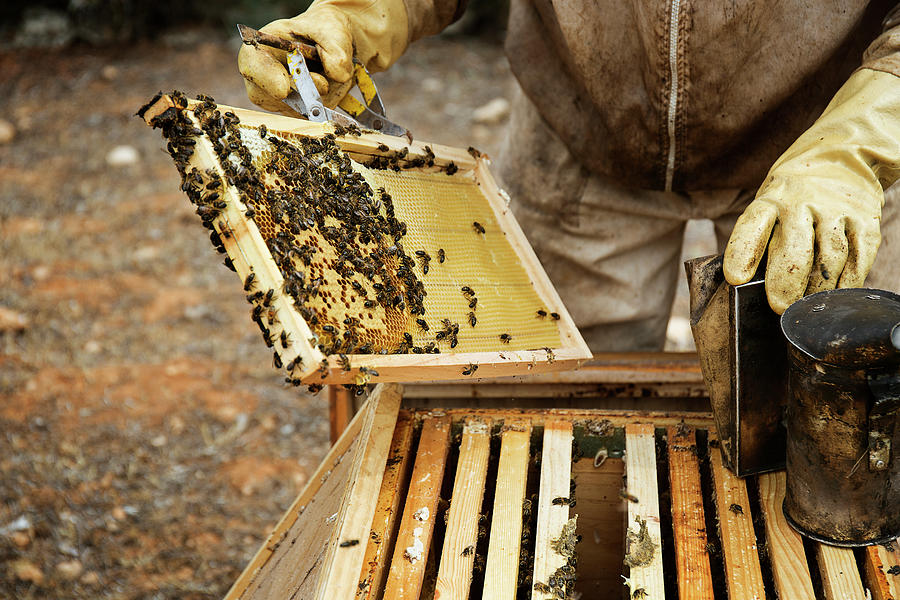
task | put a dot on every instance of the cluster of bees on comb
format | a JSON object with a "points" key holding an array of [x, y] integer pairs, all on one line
{"points": [[337, 242]]}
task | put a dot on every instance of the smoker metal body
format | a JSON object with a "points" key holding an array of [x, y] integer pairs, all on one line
{"points": [[843, 468], [743, 357]]}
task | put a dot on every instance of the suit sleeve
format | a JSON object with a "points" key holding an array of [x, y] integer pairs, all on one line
{"points": [[884, 53], [428, 17]]}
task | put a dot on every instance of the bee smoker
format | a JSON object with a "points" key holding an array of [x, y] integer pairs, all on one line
{"points": [[843, 438]]}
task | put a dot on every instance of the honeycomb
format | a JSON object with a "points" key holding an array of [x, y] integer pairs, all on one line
{"points": [[377, 260]]}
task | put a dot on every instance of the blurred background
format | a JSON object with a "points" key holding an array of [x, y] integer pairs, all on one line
{"points": [[146, 443]]}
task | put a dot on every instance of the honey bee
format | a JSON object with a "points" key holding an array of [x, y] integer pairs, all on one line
{"points": [[368, 371], [470, 369], [554, 316], [441, 255], [344, 362], [505, 338], [541, 313], [276, 360], [478, 227], [472, 319], [468, 550], [249, 282], [423, 324]]}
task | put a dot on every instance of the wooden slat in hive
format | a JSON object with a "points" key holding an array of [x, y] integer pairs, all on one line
{"points": [[458, 554], [883, 571], [502, 569], [499, 264], [553, 525], [688, 520], [840, 575], [786, 554], [743, 573], [414, 536], [644, 539]]}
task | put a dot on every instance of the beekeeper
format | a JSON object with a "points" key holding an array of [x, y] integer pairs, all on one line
{"points": [[778, 121]]}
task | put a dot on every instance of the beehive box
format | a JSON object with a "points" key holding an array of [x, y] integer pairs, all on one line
{"points": [[366, 258], [496, 503]]}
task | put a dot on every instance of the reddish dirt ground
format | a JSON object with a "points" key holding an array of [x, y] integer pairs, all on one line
{"points": [[146, 442]]}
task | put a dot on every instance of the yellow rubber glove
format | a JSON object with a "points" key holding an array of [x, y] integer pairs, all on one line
{"points": [[378, 30], [819, 209]]}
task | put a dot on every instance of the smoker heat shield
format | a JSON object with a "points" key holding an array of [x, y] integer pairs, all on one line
{"points": [[744, 361]]}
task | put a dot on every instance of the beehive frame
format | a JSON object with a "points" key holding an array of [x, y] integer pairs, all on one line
{"points": [[248, 252]]}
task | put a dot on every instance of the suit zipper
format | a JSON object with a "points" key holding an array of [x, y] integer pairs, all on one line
{"points": [[674, 14]]}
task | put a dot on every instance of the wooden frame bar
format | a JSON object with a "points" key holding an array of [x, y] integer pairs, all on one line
{"points": [[556, 476], [419, 512], [461, 538], [879, 561], [786, 554], [501, 573], [743, 573], [840, 575], [688, 521], [643, 511]]}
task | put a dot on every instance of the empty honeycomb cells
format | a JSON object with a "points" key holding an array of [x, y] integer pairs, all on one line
{"points": [[365, 270]]}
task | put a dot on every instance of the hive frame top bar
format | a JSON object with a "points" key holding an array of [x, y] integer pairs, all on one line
{"points": [[249, 253]]}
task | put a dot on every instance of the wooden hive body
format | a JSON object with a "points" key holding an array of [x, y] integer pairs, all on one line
{"points": [[417, 501]]}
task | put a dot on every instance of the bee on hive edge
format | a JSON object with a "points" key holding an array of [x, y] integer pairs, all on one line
{"points": [[470, 369], [554, 316], [468, 550]]}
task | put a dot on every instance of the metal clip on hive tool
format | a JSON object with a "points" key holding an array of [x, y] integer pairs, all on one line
{"points": [[305, 98]]}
